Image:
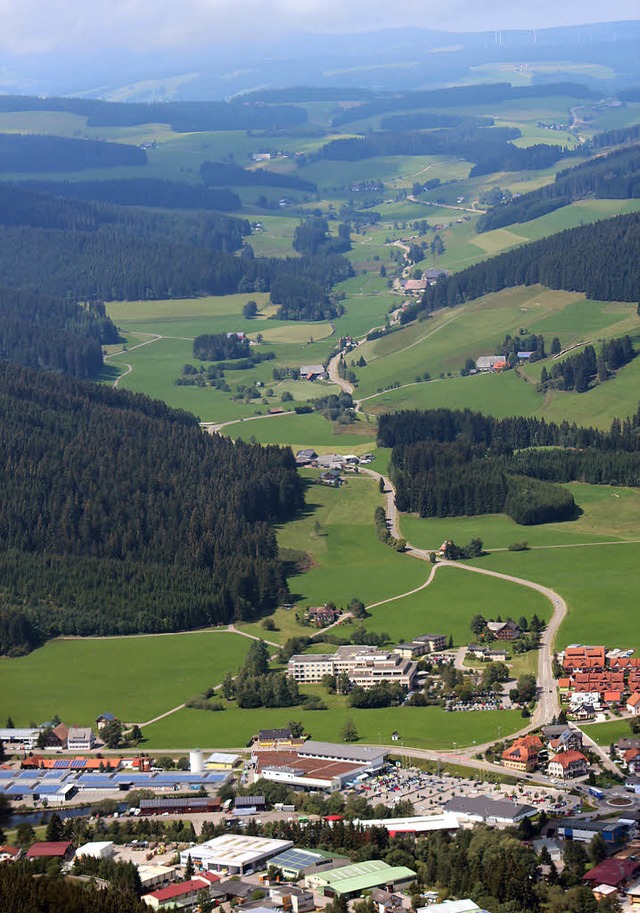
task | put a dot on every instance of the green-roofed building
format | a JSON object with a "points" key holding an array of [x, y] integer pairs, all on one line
{"points": [[352, 880]]}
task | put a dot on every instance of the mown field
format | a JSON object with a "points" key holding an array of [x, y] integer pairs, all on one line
{"points": [[440, 346], [608, 514], [423, 727], [136, 678], [449, 603], [607, 733], [599, 584], [348, 559]]}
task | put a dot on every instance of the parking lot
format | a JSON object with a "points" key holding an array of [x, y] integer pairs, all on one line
{"points": [[429, 792]]}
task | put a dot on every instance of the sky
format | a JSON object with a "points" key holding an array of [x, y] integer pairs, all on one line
{"points": [[29, 27]]}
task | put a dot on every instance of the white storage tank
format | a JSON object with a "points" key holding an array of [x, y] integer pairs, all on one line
{"points": [[196, 761]]}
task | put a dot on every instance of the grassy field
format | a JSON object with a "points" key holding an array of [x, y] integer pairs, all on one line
{"points": [[136, 678], [349, 559], [312, 430], [449, 603], [441, 345], [606, 733], [599, 584], [423, 727], [608, 514]]}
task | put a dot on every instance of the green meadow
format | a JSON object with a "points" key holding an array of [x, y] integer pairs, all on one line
{"points": [[607, 733], [599, 583], [608, 514], [136, 678], [449, 603], [422, 727], [348, 559]]}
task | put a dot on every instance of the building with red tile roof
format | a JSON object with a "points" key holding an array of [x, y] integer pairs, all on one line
{"points": [[61, 849], [615, 872], [522, 754], [633, 704], [181, 894], [568, 764]]}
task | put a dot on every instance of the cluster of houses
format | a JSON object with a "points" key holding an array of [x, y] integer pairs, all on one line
{"points": [[558, 749], [429, 277], [594, 680], [55, 738], [367, 666]]}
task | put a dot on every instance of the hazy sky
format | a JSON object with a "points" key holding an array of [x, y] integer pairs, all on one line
{"points": [[33, 26]]}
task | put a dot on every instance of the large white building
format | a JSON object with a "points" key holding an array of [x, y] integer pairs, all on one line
{"points": [[234, 854], [365, 666]]}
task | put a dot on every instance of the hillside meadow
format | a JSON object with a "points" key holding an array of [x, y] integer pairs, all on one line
{"points": [[136, 678], [599, 583]]}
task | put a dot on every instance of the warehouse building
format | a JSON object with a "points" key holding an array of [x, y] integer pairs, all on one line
{"points": [[352, 880], [234, 854]]}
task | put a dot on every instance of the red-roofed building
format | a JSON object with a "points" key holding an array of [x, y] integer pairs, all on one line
{"points": [[61, 849], [633, 704], [615, 872], [567, 765], [10, 853], [180, 895], [612, 698], [523, 753]]}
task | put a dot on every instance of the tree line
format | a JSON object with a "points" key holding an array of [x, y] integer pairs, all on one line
{"points": [[122, 486], [447, 463], [455, 96], [612, 176], [578, 371], [183, 116], [151, 192], [216, 174], [20, 892], [21, 153], [597, 259], [54, 333], [88, 250], [488, 147], [456, 479]]}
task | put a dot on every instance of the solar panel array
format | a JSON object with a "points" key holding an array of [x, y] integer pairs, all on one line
{"points": [[68, 773], [295, 859]]}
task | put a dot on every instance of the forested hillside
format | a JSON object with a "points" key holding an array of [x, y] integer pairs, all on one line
{"points": [[613, 176], [144, 192], [119, 515], [96, 251], [183, 116], [54, 333], [222, 174], [447, 464], [599, 259], [32, 153], [488, 147]]}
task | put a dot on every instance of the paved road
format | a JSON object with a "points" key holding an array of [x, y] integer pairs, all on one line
{"points": [[334, 377]]}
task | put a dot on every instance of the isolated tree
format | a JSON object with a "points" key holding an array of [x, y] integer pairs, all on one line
{"points": [[556, 348], [478, 624], [297, 728], [250, 309], [111, 733], [189, 869], [349, 731], [54, 829], [597, 849], [381, 484]]}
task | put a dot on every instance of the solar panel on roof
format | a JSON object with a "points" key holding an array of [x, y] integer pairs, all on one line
{"points": [[78, 764], [47, 789], [7, 774], [62, 763]]}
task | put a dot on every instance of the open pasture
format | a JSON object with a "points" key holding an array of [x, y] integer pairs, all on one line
{"points": [[136, 678], [599, 583], [422, 727], [608, 514], [337, 531], [311, 430], [449, 603]]}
